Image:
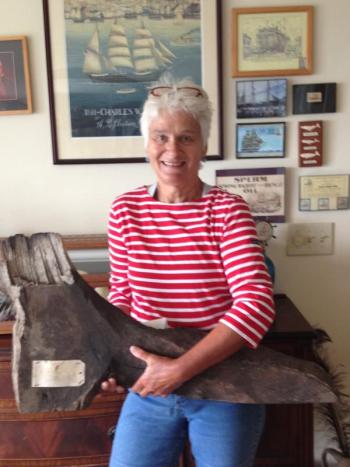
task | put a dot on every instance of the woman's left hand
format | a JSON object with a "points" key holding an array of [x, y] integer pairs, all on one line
{"points": [[161, 376]]}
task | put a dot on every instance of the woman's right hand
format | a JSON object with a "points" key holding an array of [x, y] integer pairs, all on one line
{"points": [[111, 385]]}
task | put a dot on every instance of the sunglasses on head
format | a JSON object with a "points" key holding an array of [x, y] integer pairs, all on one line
{"points": [[188, 91]]}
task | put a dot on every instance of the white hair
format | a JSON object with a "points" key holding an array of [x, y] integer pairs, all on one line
{"points": [[177, 101]]}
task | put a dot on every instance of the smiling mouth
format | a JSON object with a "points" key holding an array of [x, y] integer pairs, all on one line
{"points": [[173, 164]]}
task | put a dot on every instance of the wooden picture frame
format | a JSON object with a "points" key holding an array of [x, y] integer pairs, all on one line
{"points": [[272, 41], [95, 114], [260, 140], [15, 90]]}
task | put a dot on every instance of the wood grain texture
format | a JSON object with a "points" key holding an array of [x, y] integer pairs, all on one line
{"points": [[60, 317]]}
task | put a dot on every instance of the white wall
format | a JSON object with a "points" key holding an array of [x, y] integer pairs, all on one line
{"points": [[37, 196], [318, 285]]}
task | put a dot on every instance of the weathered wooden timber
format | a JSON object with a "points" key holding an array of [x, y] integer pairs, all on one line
{"points": [[67, 338]]}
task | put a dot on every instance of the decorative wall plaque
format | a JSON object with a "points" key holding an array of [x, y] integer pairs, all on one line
{"points": [[310, 143], [314, 98]]}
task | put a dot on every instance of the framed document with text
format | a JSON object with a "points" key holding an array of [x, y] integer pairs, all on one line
{"points": [[262, 188], [323, 192]]}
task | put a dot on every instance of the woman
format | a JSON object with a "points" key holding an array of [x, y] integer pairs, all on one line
{"points": [[187, 253]]}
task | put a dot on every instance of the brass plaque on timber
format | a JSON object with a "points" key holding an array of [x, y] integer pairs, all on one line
{"points": [[57, 373]]}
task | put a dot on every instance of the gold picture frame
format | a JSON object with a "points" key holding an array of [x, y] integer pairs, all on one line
{"points": [[272, 41], [15, 92]]}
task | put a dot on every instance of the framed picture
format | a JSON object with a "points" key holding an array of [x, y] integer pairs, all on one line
{"points": [[272, 41], [263, 189], [104, 57], [315, 238], [324, 192], [314, 98], [261, 98], [15, 92], [260, 140]]}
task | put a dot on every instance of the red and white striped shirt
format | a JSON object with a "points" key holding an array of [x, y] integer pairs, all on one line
{"points": [[193, 263]]}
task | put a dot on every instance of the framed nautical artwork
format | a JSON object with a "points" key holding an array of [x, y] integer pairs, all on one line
{"points": [[260, 140], [261, 98], [103, 58], [15, 91], [262, 188], [272, 41]]}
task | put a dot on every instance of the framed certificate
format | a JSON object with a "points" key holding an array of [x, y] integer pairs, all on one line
{"points": [[323, 192]]}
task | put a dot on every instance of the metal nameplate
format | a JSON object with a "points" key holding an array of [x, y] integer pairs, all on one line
{"points": [[57, 373]]}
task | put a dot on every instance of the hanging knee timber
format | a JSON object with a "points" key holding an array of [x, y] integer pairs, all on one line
{"points": [[67, 338]]}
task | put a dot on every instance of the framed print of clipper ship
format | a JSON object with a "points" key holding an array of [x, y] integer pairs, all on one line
{"points": [[150, 56], [103, 56]]}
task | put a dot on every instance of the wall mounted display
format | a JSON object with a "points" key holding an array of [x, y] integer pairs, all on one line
{"points": [[97, 89], [261, 98], [310, 143], [263, 189], [314, 98], [272, 41], [323, 192], [310, 238], [260, 140], [15, 92]]}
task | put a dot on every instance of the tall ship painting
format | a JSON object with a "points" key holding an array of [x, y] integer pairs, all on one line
{"points": [[141, 59], [251, 142]]}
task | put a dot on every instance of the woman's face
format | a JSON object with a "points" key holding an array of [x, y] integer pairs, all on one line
{"points": [[175, 148]]}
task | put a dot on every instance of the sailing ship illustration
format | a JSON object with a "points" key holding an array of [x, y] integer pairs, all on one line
{"points": [[272, 40], [144, 60], [263, 98], [251, 142]]}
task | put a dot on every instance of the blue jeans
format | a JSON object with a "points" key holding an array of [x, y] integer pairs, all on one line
{"points": [[151, 432]]}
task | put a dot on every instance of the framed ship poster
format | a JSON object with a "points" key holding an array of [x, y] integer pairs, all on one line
{"points": [[102, 59], [262, 188]]}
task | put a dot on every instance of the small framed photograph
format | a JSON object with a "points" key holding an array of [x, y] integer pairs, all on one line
{"points": [[324, 192], [261, 98], [262, 188], [272, 41], [15, 92], [314, 98], [260, 140]]}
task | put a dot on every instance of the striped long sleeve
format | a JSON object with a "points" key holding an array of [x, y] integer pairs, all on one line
{"points": [[194, 263]]}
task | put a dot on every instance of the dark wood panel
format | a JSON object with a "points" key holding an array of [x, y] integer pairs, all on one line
{"points": [[79, 438]]}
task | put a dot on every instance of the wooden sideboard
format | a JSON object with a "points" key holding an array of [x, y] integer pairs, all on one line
{"points": [[79, 438], [288, 436]]}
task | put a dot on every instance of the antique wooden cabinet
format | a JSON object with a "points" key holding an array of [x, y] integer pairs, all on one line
{"points": [[79, 438]]}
